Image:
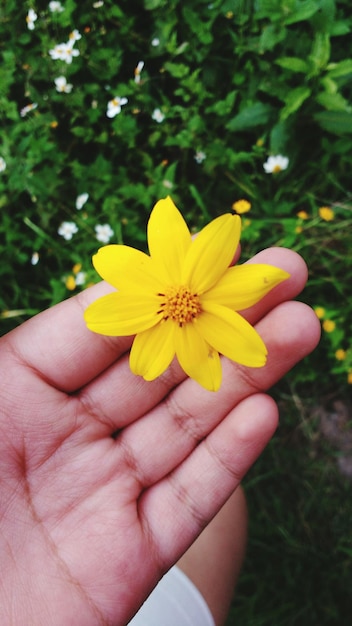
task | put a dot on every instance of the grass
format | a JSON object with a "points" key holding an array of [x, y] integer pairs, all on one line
{"points": [[298, 565]]}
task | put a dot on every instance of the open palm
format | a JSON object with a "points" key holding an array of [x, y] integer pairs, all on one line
{"points": [[105, 479]]}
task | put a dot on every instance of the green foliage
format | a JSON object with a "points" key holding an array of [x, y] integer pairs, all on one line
{"points": [[224, 85]]}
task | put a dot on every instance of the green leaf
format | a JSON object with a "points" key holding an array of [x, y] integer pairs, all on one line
{"points": [[339, 28], [279, 138], [223, 107], [178, 70], [294, 64], [320, 53], [255, 115], [336, 122], [325, 17], [333, 101], [294, 101], [150, 5], [201, 29], [271, 36], [340, 69], [304, 11]]}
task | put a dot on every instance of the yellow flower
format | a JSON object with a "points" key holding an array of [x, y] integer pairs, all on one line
{"points": [[349, 378], [326, 213], [319, 312], [298, 230], [182, 299], [70, 283], [303, 215], [329, 326], [241, 206], [77, 268], [340, 354]]}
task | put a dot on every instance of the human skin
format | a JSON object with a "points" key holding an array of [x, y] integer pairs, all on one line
{"points": [[106, 479]]}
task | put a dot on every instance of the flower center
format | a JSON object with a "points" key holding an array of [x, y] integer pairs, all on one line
{"points": [[277, 168], [180, 305]]}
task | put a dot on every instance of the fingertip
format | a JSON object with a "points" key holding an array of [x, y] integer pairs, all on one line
{"points": [[257, 418], [287, 260], [310, 326]]}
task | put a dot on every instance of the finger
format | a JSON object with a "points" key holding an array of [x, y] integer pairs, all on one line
{"points": [[290, 288], [119, 397], [189, 413], [188, 498], [58, 345]]}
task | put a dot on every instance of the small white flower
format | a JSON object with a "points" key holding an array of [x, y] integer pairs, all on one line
{"points": [[62, 85], [28, 108], [114, 106], [103, 233], [97, 5], [35, 258], [56, 7], [137, 72], [168, 184], [2, 164], [200, 156], [158, 116], [155, 42], [31, 18], [80, 278], [81, 200], [67, 229], [276, 164], [64, 52], [74, 36], [58, 52]]}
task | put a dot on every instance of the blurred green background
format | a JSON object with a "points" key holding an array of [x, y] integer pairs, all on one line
{"points": [[107, 107]]}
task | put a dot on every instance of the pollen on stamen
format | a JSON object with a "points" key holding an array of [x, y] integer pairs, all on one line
{"points": [[180, 305]]}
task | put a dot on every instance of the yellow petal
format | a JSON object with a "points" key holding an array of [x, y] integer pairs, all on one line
{"points": [[168, 240], [126, 268], [231, 335], [197, 358], [118, 315], [153, 350], [244, 285], [211, 253]]}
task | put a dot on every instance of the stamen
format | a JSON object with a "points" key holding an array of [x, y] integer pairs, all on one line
{"points": [[180, 304]]}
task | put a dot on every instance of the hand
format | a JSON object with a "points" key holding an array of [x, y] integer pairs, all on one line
{"points": [[105, 479]]}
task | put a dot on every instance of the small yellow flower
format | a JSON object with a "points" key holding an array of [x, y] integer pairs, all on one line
{"points": [[329, 326], [298, 230], [77, 268], [241, 206], [340, 354], [54, 124], [303, 215], [349, 378], [70, 283], [183, 298], [319, 312], [326, 213]]}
